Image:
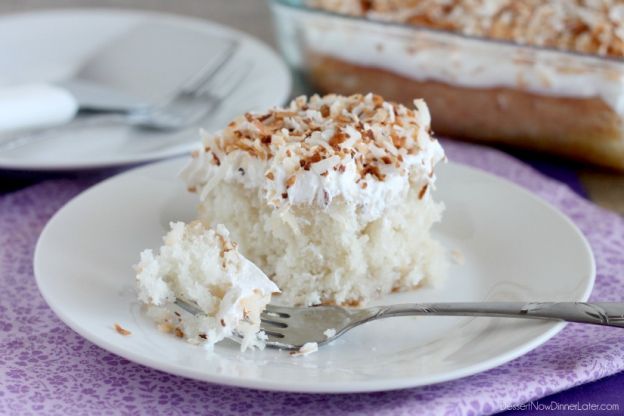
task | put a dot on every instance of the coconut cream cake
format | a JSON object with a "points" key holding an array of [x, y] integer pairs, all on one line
{"points": [[330, 196], [203, 266]]}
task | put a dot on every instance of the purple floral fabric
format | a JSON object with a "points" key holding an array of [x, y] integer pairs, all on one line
{"points": [[46, 368]]}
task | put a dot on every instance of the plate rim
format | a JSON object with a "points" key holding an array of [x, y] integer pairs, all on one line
{"points": [[7, 163], [364, 386]]}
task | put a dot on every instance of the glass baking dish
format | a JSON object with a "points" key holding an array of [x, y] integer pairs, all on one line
{"points": [[564, 103]]}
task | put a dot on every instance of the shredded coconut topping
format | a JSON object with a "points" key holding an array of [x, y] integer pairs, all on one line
{"points": [[589, 26], [319, 148]]}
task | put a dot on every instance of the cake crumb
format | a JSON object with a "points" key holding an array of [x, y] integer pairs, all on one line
{"points": [[329, 332], [122, 331], [458, 257], [306, 349], [165, 327]]}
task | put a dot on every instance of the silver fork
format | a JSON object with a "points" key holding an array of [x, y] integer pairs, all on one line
{"points": [[290, 328], [197, 98]]}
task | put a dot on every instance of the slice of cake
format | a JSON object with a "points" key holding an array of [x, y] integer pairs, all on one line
{"points": [[330, 197], [203, 266]]}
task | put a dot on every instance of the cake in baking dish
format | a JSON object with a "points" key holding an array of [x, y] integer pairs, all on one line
{"points": [[331, 196], [203, 266], [542, 75]]}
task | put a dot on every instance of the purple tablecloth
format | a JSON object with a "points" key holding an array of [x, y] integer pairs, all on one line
{"points": [[45, 368]]}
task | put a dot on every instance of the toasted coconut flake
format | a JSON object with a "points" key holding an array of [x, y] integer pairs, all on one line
{"points": [[122, 331], [165, 327], [337, 139], [216, 160], [458, 257], [324, 110], [353, 303], [291, 181]]}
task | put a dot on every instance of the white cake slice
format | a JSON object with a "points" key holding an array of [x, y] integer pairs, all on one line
{"points": [[204, 266], [330, 196]]}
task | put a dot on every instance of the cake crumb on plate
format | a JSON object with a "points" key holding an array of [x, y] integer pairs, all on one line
{"points": [[330, 332], [458, 257], [122, 331], [306, 349]]}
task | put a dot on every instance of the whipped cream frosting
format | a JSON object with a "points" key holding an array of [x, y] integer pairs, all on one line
{"points": [[360, 148], [438, 56]]}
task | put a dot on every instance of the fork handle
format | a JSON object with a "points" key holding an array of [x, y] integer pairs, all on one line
{"points": [[35, 106], [605, 313]]}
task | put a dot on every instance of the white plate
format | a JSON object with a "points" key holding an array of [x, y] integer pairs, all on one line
{"points": [[516, 248], [52, 45]]}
